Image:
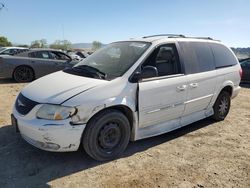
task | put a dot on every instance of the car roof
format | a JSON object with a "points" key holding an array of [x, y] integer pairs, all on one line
{"points": [[45, 49], [173, 38]]}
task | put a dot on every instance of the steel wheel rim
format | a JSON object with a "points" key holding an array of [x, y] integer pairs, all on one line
{"points": [[109, 136]]}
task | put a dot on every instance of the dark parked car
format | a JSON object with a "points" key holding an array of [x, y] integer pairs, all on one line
{"points": [[245, 65], [32, 64], [82, 54]]}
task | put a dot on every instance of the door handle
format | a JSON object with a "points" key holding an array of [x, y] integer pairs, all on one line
{"points": [[181, 88], [193, 85]]}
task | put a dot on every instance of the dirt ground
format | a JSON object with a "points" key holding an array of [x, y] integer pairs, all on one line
{"points": [[203, 154]]}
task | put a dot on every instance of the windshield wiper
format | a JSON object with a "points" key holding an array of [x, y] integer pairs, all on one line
{"points": [[91, 70]]}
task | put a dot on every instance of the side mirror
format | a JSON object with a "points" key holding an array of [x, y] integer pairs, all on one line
{"points": [[149, 72], [136, 77]]}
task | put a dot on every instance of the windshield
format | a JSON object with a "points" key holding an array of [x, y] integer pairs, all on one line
{"points": [[116, 58], [2, 48]]}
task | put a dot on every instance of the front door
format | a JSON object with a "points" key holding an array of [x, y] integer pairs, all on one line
{"points": [[162, 97], [161, 100]]}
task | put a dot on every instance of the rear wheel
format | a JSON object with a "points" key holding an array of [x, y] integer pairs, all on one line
{"points": [[106, 135], [23, 74], [222, 106]]}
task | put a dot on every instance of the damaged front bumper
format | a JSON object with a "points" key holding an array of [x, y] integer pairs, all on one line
{"points": [[57, 136]]}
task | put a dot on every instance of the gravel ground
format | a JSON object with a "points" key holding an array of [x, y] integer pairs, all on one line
{"points": [[203, 154]]}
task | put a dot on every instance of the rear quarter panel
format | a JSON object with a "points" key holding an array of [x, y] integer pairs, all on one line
{"points": [[9, 63], [228, 76]]}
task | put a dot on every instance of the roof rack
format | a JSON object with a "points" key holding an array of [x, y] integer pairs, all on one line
{"points": [[177, 36], [209, 38], [167, 35]]}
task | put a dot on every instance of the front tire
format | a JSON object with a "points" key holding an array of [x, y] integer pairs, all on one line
{"points": [[222, 106], [106, 135], [23, 74]]}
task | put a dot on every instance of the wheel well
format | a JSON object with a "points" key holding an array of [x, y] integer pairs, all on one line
{"points": [[123, 109], [24, 66], [228, 89]]}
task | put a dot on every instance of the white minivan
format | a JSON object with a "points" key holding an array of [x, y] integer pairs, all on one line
{"points": [[128, 90]]}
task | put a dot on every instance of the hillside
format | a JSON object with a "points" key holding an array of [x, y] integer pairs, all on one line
{"points": [[242, 53]]}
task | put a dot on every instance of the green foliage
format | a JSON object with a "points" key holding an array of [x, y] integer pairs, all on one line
{"points": [[61, 44], [39, 43], [96, 45], [4, 41], [23, 45]]}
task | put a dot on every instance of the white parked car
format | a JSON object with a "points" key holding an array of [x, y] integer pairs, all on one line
{"points": [[74, 56], [11, 50], [128, 90]]}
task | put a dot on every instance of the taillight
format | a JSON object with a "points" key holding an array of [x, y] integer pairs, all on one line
{"points": [[240, 72]]}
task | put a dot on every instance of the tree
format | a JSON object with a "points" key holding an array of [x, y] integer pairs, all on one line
{"points": [[1, 6], [61, 44], [43, 43], [39, 43], [4, 41], [35, 44], [96, 45], [23, 45]]}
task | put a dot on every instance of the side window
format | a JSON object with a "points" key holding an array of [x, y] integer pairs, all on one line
{"points": [[58, 56], [32, 54], [6, 52], [197, 56], [204, 56], [223, 56], [40, 54], [165, 58]]}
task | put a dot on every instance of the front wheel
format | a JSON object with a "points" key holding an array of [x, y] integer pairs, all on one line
{"points": [[23, 74], [222, 106], [106, 135]]}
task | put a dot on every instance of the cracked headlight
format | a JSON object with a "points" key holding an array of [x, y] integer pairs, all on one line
{"points": [[55, 112]]}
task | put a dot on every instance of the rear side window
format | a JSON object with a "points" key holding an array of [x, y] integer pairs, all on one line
{"points": [[39, 54], [198, 57], [223, 56]]}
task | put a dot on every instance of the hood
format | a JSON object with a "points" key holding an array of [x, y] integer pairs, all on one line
{"points": [[57, 87]]}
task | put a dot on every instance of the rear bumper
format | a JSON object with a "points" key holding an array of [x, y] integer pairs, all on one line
{"points": [[235, 92], [57, 136]]}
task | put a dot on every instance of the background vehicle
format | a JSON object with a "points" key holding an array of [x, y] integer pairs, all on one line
{"points": [[245, 65], [34, 63], [74, 56], [11, 50], [128, 90], [82, 54]]}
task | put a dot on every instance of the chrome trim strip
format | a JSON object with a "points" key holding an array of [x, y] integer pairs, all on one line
{"points": [[165, 107], [178, 104], [161, 77], [199, 98]]}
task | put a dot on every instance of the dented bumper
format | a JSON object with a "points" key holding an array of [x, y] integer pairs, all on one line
{"points": [[58, 136]]}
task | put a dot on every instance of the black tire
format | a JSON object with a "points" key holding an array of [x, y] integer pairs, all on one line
{"points": [[23, 74], [107, 135], [221, 106]]}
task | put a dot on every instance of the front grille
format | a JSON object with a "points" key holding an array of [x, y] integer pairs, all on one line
{"points": [[24, 105]]}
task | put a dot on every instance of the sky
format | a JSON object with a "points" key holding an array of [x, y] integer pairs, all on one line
{"points": [[23, 21]]}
